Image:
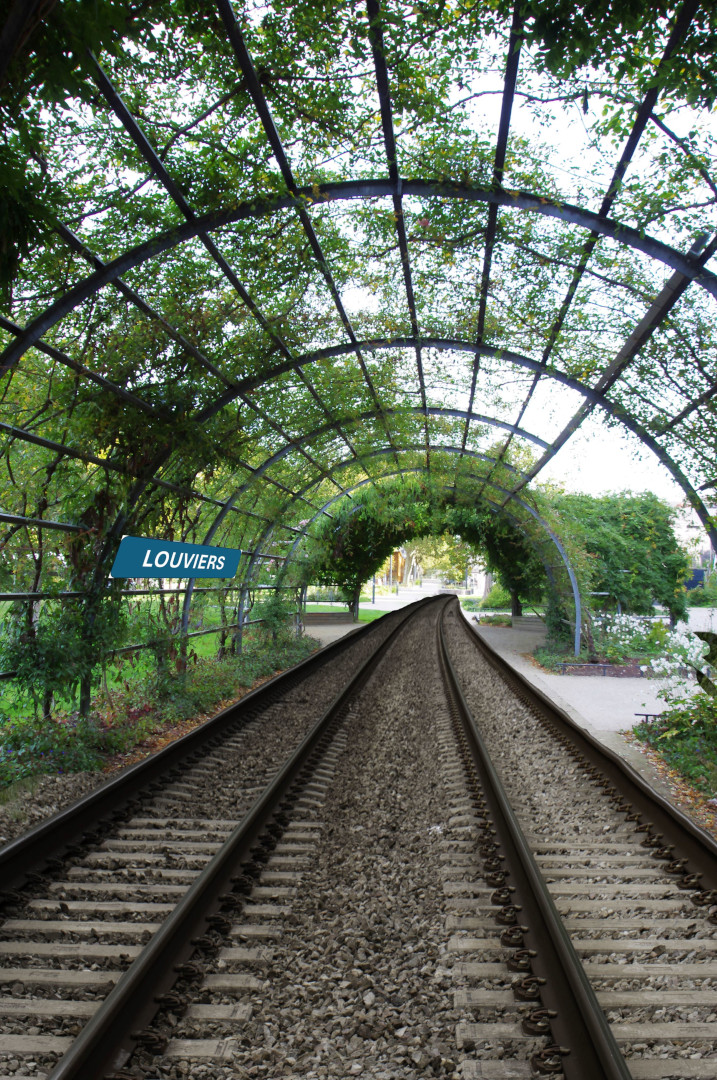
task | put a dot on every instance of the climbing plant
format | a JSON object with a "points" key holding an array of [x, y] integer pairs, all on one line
{"points": [[254, 261]]}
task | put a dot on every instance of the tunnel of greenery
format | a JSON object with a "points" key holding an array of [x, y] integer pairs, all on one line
{"points": [[307, 279]]}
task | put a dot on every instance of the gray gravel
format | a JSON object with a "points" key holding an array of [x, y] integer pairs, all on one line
{"points": [[46, 796], [204, 801], [358, 984]]}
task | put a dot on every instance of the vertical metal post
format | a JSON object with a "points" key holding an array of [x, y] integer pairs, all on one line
{"points": [[239, 632]]}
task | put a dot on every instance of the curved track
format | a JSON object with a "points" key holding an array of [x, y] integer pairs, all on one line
{"points": [[382, 900]]}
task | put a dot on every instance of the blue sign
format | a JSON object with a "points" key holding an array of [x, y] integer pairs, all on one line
{"points": [[143, 558]]}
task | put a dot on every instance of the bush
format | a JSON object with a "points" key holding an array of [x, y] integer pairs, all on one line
{"points": [[617, 638], [32, 746], [685, 736], [704, 595], [498, 599]]}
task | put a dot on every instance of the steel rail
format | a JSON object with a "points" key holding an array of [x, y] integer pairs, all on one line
{"points": [[31, 851], [108, 1039], [691, 844], [580, 1023]]}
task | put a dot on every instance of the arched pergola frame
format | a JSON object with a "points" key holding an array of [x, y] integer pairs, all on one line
{"points": [[495, 507], [235, 457]]}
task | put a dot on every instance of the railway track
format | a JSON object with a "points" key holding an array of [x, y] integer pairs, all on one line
{"points": [[388, 906], [621, 923], [87, 890]]}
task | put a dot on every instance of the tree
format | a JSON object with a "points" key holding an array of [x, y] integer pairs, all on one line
{"points": [[635, 556], [446, 555]]}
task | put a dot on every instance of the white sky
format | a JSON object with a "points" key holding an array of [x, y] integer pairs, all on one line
{"points": [[598, 460]]}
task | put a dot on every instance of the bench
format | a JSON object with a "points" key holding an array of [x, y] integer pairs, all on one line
{"points": [[313, 618]]}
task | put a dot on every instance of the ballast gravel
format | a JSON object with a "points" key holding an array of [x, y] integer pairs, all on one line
{"points": [[358, 984], [555, 801], [221, 786], [49, 795]]}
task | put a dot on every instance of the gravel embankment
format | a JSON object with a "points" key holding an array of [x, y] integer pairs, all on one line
{"points": [[357, 984], [598, 872]]}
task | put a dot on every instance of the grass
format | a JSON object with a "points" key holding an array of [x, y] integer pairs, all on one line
{"points": [[365, 614], [496, 620], [135, 704], [337, 606]]}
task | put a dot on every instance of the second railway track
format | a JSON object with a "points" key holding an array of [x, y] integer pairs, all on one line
{"points": [[374, 925]]}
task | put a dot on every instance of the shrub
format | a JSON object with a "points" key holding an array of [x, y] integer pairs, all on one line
{"points": [[704, 595], [685, 735], [498, 599], [32, 746]]}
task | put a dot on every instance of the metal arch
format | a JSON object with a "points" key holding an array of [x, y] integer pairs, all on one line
{"points": [[434, 447], [328, 352], [437, 448], [498, 509], [447, 344], [340, 191], [348, 423], [653, 318], [595, 397], [347, 463]]}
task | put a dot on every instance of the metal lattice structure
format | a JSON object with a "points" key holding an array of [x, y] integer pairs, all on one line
{"points": [[179, 354]]}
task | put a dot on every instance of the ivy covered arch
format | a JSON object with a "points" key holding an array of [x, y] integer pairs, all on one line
{"points": [[254, 258]]}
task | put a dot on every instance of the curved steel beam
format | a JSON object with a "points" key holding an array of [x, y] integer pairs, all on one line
{"points": [[499, 508], [253, 382], [347, 463], [352, 421], [615, 411], [351, 189]]}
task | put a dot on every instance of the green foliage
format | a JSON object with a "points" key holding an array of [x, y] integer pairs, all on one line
{"points": [[560, 633], [352, 546], [498, 599], [277, 610], [704, 595], [63, 644], [635, 556], [506, 550], [686, 737], [208, 681], [30, 747], [620, 37]]}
